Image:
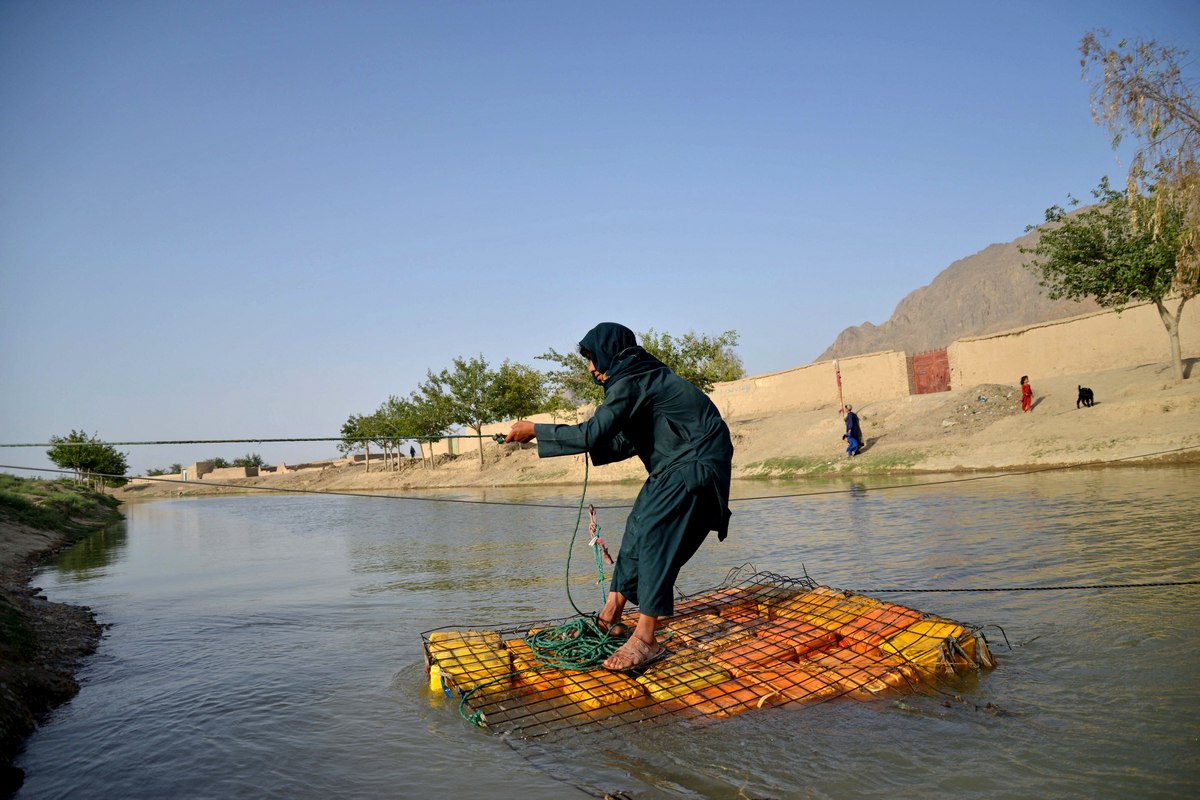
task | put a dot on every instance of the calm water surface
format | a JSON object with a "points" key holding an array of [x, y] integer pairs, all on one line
{"points": [[270, 646]]}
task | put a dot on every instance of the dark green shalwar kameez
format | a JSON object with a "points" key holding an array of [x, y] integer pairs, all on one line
{"points": [[651, 412]]}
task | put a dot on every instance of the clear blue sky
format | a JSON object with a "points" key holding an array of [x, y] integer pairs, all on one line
{"points": [[253, 219]]}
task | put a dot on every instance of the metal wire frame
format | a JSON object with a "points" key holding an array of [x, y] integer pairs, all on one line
{"points": [[755, 641]]}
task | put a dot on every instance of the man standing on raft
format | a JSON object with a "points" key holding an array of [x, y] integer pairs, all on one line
{"points": [[650, 412]]}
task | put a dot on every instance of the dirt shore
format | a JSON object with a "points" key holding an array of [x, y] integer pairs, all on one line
{"points": [[42, 644], [1141, 415]]}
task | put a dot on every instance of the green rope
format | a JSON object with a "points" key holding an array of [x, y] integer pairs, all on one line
{"points": [[577, 644], [598, 553], [575, 533]]}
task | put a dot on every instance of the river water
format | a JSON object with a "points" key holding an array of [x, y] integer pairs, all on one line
{"points": [[269, 646]]}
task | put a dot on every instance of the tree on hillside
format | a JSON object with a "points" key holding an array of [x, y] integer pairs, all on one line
{"points": [[469, 393], [702, 360], [430, 418], [93, 462], [423, 417], [379, 429], [519, 391], [1102, 253], [1143, 244], [355, 434], [363, 430], [249, 460], [392, 427], [1138, 88], [571, 381], [699, 358]]}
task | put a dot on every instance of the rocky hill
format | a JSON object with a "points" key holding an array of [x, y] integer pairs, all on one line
{"points": [[984, 293]]}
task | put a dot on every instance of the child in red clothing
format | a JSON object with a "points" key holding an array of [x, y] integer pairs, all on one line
{"points": [[1026, 394]]}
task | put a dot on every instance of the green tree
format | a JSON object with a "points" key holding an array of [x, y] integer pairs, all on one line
{"points": [[361, 431], [700, 359], [519, 391], [403, 418], [431, 418], [572, 382], [392, 427], [353, 436], [1138, 89], [375, 426], [1103, 253], [468, 394], [93, 462], [249, 460]]}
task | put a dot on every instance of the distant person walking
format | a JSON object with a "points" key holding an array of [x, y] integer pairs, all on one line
{"points": [[854, 437], [412, 451], [1026, 394]]}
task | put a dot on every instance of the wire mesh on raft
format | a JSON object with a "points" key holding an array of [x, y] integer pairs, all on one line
{"points": [[763, 641]]}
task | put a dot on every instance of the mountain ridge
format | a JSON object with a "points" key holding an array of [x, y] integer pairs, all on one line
{"points": [[983, 293]]}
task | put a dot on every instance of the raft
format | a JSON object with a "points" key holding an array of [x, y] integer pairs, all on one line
{"points": [[754, 642]]}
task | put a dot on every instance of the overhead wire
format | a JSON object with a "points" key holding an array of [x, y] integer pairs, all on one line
{"points": [[289, 490], [984, 476], [579, 508], [413, 438]]}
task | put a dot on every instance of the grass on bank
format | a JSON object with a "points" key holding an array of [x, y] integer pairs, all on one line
{"points": [[807, 466], [57, 504]]}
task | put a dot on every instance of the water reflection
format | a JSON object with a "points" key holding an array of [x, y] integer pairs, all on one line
{"points": [[267, 646], [92, 556]]}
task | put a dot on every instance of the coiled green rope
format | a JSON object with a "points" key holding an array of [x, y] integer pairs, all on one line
{"points": [[577, 644]]}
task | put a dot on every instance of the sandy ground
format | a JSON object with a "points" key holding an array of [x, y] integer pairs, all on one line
{"points": [[1141, 414]]}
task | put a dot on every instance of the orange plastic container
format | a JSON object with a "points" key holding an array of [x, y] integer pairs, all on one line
{"points": [[793, 685], [675, 680], [801, 636], [856, 673], [753, 654], [827, 608], [598, 688], [708, 631], [527, 671], [725, 699], [865, 633], [723, 602]]}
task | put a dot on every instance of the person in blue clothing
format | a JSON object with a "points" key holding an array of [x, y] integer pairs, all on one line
{"points": [[677, 432], [851, 444], [853, 431]]}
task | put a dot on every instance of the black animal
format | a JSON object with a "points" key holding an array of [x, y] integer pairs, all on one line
{"points": [[1086, 397]]}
